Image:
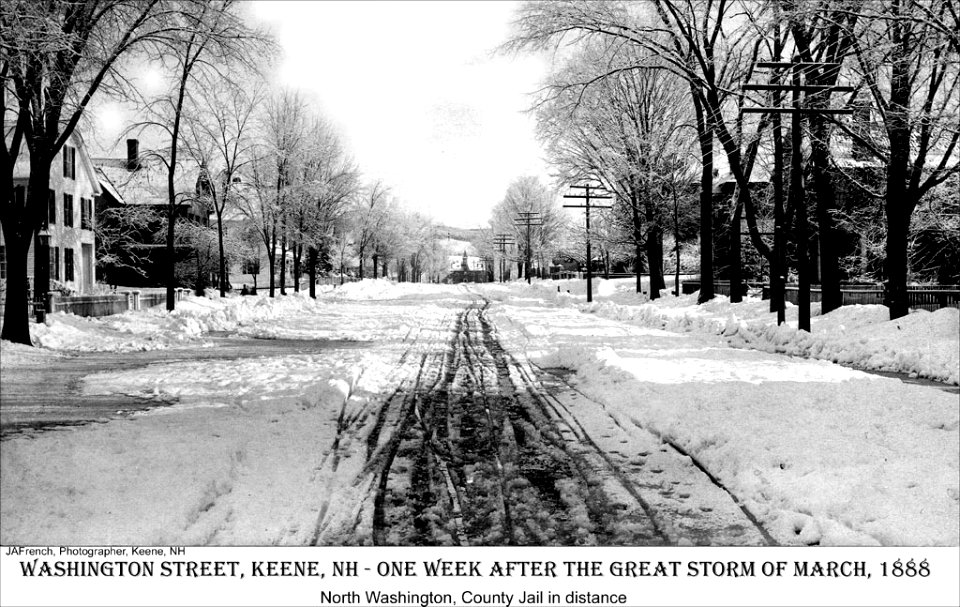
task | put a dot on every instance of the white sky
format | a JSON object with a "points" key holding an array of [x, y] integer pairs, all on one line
{"points": [[418, 95]]}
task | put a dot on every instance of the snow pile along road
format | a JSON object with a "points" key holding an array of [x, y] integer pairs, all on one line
{"points": [[924, 344], [156, 328]]}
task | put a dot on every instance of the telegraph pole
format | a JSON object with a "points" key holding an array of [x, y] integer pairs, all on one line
{"points": [[529, 219], [586, 206], [501, 241], [796, 87]]}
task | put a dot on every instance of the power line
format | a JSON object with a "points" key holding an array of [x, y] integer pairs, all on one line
{"points": [[587, 198]]}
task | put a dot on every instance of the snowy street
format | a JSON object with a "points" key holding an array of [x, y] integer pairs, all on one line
{"points": [[386, 414]]}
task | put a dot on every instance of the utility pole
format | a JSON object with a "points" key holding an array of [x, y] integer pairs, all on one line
{"points": [[501, 241], [586, 206], [796, 198], [529, 219]]}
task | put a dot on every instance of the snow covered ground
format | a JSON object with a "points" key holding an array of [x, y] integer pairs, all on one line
{"points": [[924, 344], [819, 453]]}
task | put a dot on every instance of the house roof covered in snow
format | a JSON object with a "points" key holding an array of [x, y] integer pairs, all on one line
{"points": [[146, 185]]}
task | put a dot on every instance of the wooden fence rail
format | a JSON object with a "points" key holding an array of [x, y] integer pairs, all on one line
{"points": [[924, 297]]}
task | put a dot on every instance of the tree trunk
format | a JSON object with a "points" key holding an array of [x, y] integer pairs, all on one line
{"points": [[826, 204], [297, 253], [375, 265], [223, 258], [736, 274], [16, 314], [896, 205], [654, 252], [283, 264], [676, 238], [20, 225], [272, 258], [312, 254], [778, 261], [705, 137], [637, 239], [171, 255]]}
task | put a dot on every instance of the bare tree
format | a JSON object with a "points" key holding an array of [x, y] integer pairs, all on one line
{"points": [[285, 127], [218, 136], [258, 201], [212, 36], [119, 232], [909, 64]]}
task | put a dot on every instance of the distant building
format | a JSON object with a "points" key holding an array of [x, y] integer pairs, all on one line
{"points": [[65, 247], [468, 268]]}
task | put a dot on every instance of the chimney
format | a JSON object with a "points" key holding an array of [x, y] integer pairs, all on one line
{"points": [[133, 154]]}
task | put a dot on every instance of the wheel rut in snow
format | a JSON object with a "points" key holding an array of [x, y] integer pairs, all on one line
{"points": [[478, 459]]}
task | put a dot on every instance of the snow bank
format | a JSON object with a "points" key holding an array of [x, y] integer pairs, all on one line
{"points": [[922, 344], [156, 328], [870, 464]]}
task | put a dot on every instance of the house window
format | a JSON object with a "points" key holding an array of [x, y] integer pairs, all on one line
{"points": [[86, 210], [55, 263], [51, 208], [68, 210], [69, 162], [68, 264], [3, 263]]}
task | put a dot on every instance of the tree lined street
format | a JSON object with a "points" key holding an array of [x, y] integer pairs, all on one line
{"points": [[645, 274]]}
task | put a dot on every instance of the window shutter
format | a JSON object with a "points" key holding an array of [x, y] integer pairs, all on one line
{"points": [[73, 163], [65, 152]]}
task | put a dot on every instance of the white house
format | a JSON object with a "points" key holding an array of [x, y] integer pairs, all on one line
{"points": [[67, 234]]}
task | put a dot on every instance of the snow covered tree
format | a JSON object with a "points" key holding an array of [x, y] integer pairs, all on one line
{"points": [[619, 131], [368, 212], [218, 134]]}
